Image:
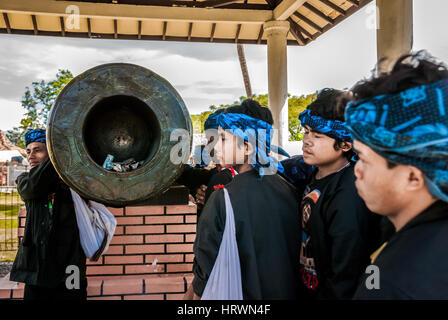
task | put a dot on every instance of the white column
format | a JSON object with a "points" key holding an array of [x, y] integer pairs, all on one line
{"points": [[395, 32], [276, 33]]}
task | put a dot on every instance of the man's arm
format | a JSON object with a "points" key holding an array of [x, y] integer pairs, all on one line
{"points": [[296, 170], [37, 183], [192, 178], [348, 230]]}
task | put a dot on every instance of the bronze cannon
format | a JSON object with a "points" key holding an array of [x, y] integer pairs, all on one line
{"points": [[123, 110]]}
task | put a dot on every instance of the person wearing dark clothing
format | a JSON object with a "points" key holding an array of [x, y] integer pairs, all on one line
{"points": [[297, 172], [221, 178], [268, 236], [202, 182], [265, 209], [414, 263], [399, 121], [193, 178], [339, 232], [51, 240]]}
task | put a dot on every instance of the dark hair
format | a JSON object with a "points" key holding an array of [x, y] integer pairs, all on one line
{"points": [[252, 109], [410, 70], [324, 105], [328, 106]]}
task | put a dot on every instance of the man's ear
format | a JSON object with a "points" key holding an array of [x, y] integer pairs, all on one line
{"points": [[416, 179], [346, 146], [248, 148]]}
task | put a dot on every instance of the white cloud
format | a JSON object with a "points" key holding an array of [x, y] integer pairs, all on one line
{"points": [[10, 114]]}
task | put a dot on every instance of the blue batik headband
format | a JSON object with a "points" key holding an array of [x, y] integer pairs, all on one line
{"points": [[410, 127], [252, 130], [35, 135], [332, 128]]}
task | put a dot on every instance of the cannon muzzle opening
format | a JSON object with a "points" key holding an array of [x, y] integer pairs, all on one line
{"points": [[123, 110], [122, 126]]}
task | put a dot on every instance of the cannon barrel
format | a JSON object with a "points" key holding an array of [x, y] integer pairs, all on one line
{"points": [[123, 110]]}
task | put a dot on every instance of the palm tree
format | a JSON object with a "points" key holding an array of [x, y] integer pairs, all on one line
{"points": [[244, 70]]}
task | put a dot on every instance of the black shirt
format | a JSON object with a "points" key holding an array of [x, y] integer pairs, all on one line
{"points": [[51, 239], [267, 231], [193, 178], [221, 178], [339, 234], [414, 262]]}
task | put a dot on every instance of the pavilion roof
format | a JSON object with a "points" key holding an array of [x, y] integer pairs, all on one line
{"points": [[220, 21]]}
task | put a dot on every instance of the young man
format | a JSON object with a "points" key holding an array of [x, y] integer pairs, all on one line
{"points": [[339, 232], [400, 124], [265, 210], [202, 182], [51, 240], [224, 175]]}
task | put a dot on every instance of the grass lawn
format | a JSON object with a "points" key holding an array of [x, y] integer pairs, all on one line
{"points": [[10, 204], [8, 256]]}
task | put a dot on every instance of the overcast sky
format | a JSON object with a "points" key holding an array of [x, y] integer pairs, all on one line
{"points": [[206, 74]]}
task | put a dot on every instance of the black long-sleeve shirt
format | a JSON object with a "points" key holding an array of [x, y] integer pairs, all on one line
{"points": [[51, 239], [267, 234], [339, 234], [414, 262]]}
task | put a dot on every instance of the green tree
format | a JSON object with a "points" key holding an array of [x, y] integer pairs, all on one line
{"points": [[37, 102], [296, 104]]}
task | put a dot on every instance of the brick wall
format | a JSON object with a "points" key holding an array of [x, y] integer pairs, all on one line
{"points": [[150, 256]]}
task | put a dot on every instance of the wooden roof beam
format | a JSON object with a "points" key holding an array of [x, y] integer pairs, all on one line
{"points": [[296, 33], [61, 20], [333, 6], [123, 11], [89, 28], [319, 13], [309, 22], [272, 3], [165, 24], [305, 32], [190, 28], [260, 34], [139, 36], [214, 3], [8, 25], [354, 2], [286, 8], [238, 30], [213, 32], [36, 30]]}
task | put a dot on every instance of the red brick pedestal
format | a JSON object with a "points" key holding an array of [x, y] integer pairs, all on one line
{"points": [[150, 256]]}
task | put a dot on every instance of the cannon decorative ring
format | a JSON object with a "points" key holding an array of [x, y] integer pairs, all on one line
{"points": [[120, 109]]}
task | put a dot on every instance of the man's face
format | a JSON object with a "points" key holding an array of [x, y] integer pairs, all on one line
{"points": [[318, 148], [36, 153], [382, 188], [228, 151]]}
